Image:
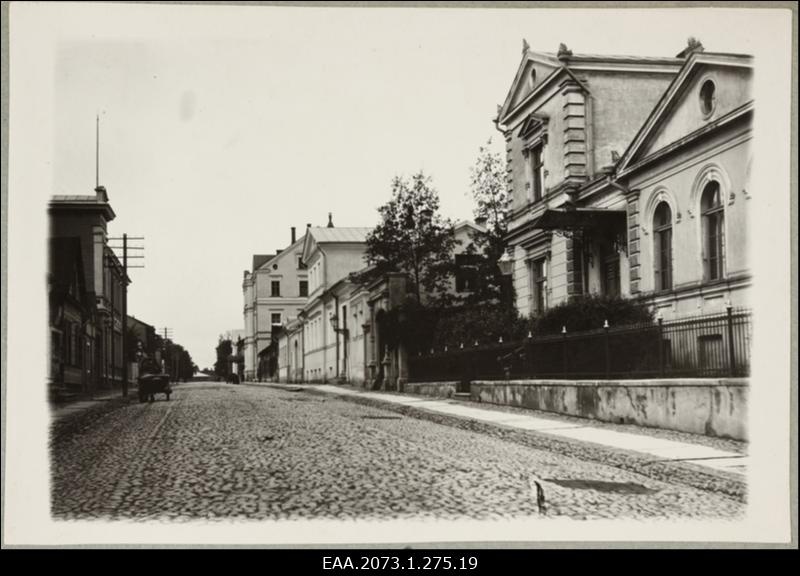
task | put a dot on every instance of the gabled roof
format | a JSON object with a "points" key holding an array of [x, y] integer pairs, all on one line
{"points": [[319, 235], [580, 62], [528, 57], [339, 235], [673, 94], [262, 260], [468, 224]]}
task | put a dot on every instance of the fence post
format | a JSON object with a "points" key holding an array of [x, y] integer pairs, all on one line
{"points": [[564, 348], [660, 346], [731, 356], [529, 356], [608, 351]]}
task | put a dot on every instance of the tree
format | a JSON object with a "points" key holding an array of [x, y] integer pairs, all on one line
{"points": [[488, 189], [224, 350], [413, 238]]}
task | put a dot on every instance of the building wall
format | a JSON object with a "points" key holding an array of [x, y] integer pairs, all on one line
{"points": [[358, 311], [621, 102], [726, 158], [91, 228], [551, 106], [260, 305]]}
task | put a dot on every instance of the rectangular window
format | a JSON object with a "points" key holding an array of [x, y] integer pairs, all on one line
{"points": [[611, 276], [300, 264], [276, 318], [276, 288], [539, 285], [537, 173], [466, 272], [303, 288]]}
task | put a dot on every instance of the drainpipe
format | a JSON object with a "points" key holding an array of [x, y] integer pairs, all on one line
{"points": [[336, 314]]}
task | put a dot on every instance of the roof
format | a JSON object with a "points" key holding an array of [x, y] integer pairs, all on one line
{"points": [[93, 201], [579, 62], [620, 59], [76, 198], [673, 93], [261, 259], [339, 235], [467, 223]]}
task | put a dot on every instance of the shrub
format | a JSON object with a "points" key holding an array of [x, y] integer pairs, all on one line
{"points": [[484, 323], [589, 313]]}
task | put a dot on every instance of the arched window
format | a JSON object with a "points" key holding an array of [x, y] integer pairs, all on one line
{"points": [[662, 247], [713, 215]]}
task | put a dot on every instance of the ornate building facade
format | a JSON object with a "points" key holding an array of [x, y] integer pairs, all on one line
{"points": [[628, 177]]}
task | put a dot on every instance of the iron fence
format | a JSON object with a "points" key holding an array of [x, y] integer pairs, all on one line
{"points": [[702, 346]]}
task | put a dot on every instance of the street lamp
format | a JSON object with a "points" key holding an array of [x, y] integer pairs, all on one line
{"points": [[335, 324], [506, 264]]}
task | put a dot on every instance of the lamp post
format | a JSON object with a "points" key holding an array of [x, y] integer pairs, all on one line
{"points": [[334, 318], [506, 266]]}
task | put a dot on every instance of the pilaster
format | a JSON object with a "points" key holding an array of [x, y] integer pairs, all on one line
{"points": [[634, 249]]}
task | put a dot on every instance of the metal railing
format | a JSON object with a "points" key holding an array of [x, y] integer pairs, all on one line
{"points": [[703, 346]]}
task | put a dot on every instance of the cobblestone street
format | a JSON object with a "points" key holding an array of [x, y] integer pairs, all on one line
{"points": [[225, 451]]}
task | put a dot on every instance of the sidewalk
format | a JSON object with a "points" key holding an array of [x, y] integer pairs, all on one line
{"points": [[60, 411], [662, 450]]}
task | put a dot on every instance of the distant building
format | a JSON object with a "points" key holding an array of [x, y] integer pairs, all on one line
{"points": [[72, 314], [629, 176], [274, 292], [340, 335], [80, 222], [330, 254]]}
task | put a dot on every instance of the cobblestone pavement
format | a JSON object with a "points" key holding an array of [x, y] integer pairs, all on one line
{"points": [[225, 451]]}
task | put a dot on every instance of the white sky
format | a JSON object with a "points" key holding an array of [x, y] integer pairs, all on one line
{"points": [[223, 126]]}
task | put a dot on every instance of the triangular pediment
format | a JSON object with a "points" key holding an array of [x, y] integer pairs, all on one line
{"points": [[533, 71], [533, 123], [309, 246], [710, 89]]}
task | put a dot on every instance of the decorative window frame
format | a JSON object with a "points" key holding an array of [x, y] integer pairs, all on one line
{"points": [[659, 194], [709, 114], [533, 134], [712, 172]]}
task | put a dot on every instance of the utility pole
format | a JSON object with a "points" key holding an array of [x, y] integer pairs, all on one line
{"points": [[167, 337], [125, 281]]}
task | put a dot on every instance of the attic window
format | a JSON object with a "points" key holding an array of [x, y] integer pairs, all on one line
{"points": [[532, 78], [707, 98]]}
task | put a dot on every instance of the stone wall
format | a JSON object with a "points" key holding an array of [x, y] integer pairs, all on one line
{"points": [[714, 407], [437, 389]]}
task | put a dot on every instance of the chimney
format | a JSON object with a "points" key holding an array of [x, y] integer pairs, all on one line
{"points": [[294, 234], [330, 219]]}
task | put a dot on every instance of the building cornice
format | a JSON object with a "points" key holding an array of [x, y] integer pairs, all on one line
{"points": [[741, 113]]}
